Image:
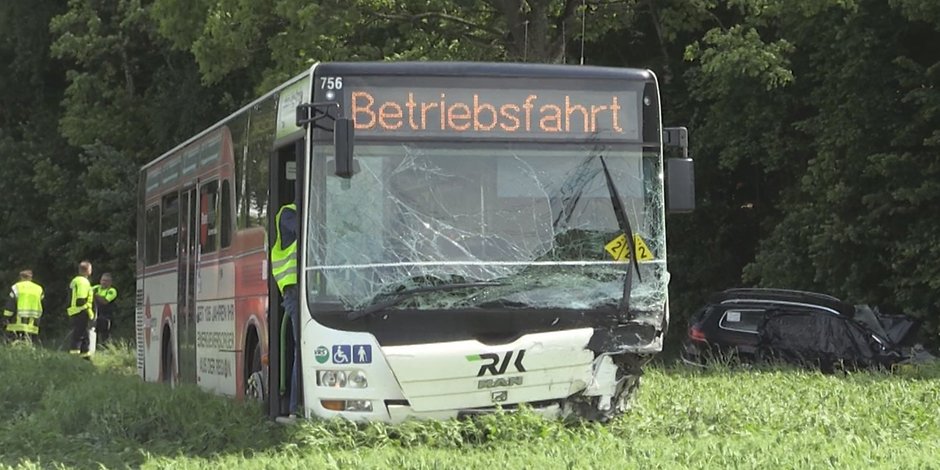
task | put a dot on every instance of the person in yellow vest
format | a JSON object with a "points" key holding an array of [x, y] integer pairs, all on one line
{"points": [[24, 308], [104, 294], [80, 310], [284, 271]]}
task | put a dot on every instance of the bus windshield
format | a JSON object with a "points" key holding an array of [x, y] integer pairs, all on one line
{"points": [[536, 218]]}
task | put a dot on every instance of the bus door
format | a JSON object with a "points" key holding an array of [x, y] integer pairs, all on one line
{"points": [[284, 181], [186, 321]]}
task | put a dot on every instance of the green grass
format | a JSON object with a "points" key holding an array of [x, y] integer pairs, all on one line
{"points": [[57, 410]]}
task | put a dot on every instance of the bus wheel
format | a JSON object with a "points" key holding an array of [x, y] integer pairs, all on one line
{"points": [[254, 382]]}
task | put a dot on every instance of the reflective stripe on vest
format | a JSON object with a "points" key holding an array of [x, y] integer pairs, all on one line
{"points": [[81, 297], [283, 259], [24, 325]]}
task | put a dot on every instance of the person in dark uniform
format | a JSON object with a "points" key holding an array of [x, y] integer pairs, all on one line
{"points": [[104, 294]]}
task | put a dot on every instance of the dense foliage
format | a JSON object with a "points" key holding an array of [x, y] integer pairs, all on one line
{"points": [[815, 123]]}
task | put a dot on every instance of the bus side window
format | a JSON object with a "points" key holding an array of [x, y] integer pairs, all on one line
{"points": [[152, 236], [169, 227], [209, 217], [225, 209]]}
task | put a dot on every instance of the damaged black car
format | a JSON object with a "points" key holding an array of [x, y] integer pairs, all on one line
{"points": [[797, 327]]}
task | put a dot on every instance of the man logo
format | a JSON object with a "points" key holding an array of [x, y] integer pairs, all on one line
{"points": [[494, 359], [499, 397], [499, 382]]}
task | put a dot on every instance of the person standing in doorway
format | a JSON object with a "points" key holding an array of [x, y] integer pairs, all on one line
{"points": [[81, 311], [24, 308], [284, 271], [104, 294]]}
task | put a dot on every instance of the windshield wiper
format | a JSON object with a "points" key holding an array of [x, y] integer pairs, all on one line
{"points": [[398, 297], [624, 222]]}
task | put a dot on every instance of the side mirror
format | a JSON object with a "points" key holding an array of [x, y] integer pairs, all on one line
{"points": [[680, 185], [343, 135]]}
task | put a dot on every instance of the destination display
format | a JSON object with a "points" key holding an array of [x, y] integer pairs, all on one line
{"points": [[491, 113]]}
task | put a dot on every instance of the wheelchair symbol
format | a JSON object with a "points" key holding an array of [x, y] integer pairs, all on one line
{"points": [[341, 353]]}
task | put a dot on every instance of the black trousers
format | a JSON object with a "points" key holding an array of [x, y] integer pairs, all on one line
{"points": [[103, 328], [79, 333]]}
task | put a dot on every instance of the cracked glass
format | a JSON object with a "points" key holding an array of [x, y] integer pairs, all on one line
{"points": [[535, 217]]}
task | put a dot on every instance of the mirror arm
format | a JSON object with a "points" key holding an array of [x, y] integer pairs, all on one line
{"points": [[310, 113]]}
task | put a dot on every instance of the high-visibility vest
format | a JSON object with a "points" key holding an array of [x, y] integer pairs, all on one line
{"points": [[109, 294], [28, 296], [283, 259], [81, 298]]}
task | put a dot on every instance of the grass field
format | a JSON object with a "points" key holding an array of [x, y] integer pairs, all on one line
{"points": [[60, 411]]}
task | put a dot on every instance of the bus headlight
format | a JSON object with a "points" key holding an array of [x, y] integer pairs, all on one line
{"points": [[358, 405], [357, 379], [342, 378], [331, 378], [362, 406]]}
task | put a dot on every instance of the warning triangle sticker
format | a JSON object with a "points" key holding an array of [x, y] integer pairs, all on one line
{"points": [[620, 251]]}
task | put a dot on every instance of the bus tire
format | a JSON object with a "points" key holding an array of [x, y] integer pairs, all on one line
{"points": [[254, 371]]}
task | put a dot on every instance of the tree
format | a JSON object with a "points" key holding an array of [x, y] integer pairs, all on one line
{"points": [[122, 107], [813, 123], [274, 39], [857, 171], [31, 88]]}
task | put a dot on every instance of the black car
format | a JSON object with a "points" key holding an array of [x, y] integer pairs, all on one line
{"points": [[805, 328]]}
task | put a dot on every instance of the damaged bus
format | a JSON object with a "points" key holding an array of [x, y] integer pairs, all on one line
{"points": [[471, 236]]}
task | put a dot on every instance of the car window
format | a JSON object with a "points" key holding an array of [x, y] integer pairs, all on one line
{"points": [[743, 320]]}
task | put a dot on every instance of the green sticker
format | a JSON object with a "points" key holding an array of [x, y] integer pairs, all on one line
{"points": [[322, 354]]}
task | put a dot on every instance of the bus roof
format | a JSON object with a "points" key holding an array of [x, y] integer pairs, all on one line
{"points": [[482, 69], [442, 69]]}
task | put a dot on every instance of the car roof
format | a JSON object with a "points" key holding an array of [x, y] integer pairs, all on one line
{"points": [[783, 297]]}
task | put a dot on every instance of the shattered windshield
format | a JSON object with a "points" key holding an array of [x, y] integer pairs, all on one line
{"points": [[535, 218]]}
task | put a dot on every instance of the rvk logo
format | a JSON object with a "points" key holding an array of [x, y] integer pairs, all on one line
{"points": [[494, 359]]}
